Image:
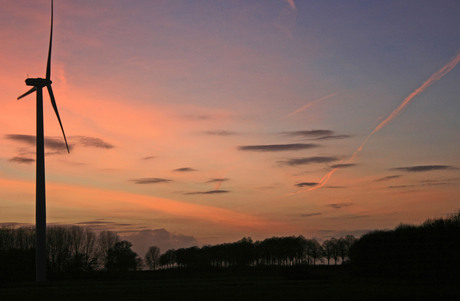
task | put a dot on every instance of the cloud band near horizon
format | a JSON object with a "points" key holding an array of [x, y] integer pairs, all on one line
{"points": [[277, 147]]}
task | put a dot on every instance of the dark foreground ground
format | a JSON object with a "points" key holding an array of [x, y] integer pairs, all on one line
{"points": [[316, 283]]}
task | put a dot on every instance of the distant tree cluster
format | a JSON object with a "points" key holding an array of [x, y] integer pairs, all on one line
{"points": [[432, 248], [275, 251], [71, 250]]}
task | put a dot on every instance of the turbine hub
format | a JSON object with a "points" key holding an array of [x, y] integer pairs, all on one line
{"points": [[38, 82]]}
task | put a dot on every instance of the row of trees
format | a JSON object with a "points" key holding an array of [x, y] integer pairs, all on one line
{"points": [[432, 248], [71, 249], [76, 250], [279, 251]]}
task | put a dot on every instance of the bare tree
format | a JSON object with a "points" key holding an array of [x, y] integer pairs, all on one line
{"points": [[344, 246], [88, 249], [152, 257], [58, 247], [329, 249], [313, 251], [106, 241]]}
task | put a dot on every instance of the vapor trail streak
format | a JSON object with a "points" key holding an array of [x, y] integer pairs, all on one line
{"points": [[310, 104], [431, 80], [291, 4]]}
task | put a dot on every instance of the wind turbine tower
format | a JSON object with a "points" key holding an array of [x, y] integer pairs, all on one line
{"points": [[40, 211]]}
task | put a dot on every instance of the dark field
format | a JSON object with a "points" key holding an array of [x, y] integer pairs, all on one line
{"points": [[314, 283]]}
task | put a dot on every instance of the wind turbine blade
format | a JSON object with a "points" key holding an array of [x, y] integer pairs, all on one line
{"points": [[48, 64], [27, 93], [53, 102]]}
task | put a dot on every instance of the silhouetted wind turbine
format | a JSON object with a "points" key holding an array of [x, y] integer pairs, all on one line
{"points": [[40, 210]]}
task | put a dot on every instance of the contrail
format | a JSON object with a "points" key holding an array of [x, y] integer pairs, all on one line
{"points": [[291, 4], [434, 78], [431, 80], [310, 104]]}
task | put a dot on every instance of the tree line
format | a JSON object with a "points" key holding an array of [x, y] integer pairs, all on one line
{"points": [[72, 250], [430, 248], [275, 251], [75, 250]]}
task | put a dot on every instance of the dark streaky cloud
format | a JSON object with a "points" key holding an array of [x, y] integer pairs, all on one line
{"points": [[309, 134], [352, 216], [339, 205], [310, 214], [423, 184], [387, 178], [316, 134], [149, 158], [218, 180], [93, 142], [401, 186], [184, 169], [309, 160], [344, 165], [219, 133], [422, 168], [277, 147], [207, 192], [306, 184], [56, 144], [332, 137], [29, 139], [22, 160], [150, 180]]}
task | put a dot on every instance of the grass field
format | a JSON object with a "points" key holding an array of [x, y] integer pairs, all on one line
{"points": [[263, 284]]}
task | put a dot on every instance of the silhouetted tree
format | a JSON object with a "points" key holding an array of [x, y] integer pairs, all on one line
{"points": [[120, 258], [152, 257], [71, 249], [59, 245], [242, 252], [17, 253], [88, 249], [344, 245], [106, 241], [187, 257], [313, 251], [329, 248], [21, 238], [168, 259]]}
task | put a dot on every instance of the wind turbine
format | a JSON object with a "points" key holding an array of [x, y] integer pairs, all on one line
{"points": [[40, 210]]}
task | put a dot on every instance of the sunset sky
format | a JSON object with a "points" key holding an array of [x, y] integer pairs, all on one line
{"points": [[206, 121]]}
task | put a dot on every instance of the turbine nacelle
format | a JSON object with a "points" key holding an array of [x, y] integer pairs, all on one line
{"points": [[38, 82]]}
